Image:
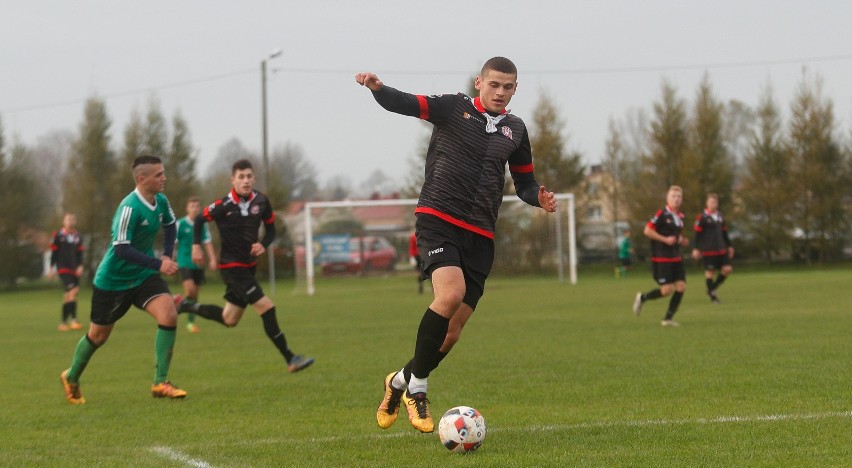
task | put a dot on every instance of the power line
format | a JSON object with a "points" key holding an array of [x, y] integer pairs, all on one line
{"points": [[563, 71], [177, 84]]}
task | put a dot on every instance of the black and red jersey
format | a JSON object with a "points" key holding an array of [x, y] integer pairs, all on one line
{"points": [[711, 234], [238, 220], [66, 251], [666, 222], [467, 156]]}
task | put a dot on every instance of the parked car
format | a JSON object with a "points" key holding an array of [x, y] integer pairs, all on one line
{"points": [[366, 254]]}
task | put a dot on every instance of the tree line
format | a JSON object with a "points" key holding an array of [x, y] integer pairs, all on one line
{"points": [[784, 183]]}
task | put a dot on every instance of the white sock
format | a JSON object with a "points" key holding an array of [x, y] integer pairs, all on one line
{"points": [[398, 381], [416, 385]]}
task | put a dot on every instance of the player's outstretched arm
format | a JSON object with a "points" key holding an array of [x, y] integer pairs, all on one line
{"points": [[547, 200], [370, 80]]}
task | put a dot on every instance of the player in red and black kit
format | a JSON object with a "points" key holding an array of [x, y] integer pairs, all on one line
{"points": [[472, 141], [238, 217], [713, 245], [66, 259], [665, 231]]}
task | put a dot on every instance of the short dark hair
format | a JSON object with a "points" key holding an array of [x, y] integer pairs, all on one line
{"points": [[193, 199], [500, 64], [240, 165], [146, 159]]}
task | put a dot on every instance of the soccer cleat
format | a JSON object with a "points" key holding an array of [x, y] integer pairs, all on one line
{"points": [[192, 328], [299, 362], [418, 411], [389, 408], [713, 297], [167, 390], [75, 325], [72, 390], [637, 304], [669, 323], [63, 327]]}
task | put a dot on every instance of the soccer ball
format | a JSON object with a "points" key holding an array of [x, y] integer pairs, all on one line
{"points": [[462, 429]]}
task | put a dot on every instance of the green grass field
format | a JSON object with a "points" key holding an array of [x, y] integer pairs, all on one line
{"points": [[564, 375]]}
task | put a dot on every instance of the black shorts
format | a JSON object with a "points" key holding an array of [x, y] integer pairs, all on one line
{"points": [[109, 306], [443, 244], [194, 274], [716, 262], [69, 281], [668, 272], [242, 287]]}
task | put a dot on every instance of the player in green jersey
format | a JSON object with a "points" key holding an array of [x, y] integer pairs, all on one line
{"points": [[130, 275], [192, 274]]}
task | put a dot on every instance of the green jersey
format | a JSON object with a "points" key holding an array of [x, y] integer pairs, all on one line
{"points": [[184, 242], [136, 222], [624, 248]]}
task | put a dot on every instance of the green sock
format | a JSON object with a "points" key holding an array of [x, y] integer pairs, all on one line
{"points": [[164, 343], [190, 318], [85, 350]]}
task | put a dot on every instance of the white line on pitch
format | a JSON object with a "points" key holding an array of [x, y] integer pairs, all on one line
{"points": [[181, 457], [565, 427], [672, 422]]}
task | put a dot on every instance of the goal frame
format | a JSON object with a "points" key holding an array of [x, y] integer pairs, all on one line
{"points": [[572, 231]]}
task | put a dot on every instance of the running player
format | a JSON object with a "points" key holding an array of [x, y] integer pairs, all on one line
{"points": [[66, 260], [472, 140], [130, 275], [191, 274], [713, 245], [665, 231], [238, 217]]}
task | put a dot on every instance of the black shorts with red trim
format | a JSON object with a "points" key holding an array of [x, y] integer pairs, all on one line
{"points": [[69, 281], [668, 272], [443, 244], [716, 262], [242, 286]]}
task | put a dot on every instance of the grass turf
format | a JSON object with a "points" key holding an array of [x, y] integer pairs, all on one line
{"points": [[564, 375]]}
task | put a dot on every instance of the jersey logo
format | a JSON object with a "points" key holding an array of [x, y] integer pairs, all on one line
{"points": [[255, 209], [507, 131], [144, 222]]}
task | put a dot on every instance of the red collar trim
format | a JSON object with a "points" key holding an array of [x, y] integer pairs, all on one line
{"points": [[235, 197], [478, 104]]}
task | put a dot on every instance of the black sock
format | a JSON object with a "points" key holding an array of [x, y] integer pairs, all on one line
{"points": [[719, 280], [209, 311], [66, 311], [655, 294], [430, 337], [406, 371], [273, 331], [674, 303], [710, 286]]}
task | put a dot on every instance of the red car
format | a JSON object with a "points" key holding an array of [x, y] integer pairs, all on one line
{"points": [[365, 254]]}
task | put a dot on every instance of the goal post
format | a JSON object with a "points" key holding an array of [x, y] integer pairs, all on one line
{"points": [[565, 214]]}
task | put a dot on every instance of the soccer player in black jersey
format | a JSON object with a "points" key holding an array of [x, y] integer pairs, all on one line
{"points": [[713, 245], [238, 217], [66, 259], [472, 141], [665, 229]]}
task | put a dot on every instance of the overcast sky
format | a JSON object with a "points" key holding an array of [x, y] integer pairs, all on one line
{"points": [[596, 59]]}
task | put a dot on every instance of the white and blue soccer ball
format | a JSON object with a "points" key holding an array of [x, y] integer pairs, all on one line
{"points": [[462, 429]]}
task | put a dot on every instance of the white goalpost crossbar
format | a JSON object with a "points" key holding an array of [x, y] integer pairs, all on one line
{"points": [[572, 232]]}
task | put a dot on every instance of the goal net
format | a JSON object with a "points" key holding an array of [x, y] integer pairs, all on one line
{"points": [[355, 238]]}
